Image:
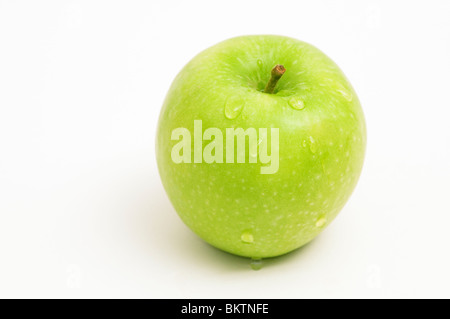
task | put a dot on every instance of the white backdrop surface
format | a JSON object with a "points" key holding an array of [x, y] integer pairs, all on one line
{"points": [[82, 209]]}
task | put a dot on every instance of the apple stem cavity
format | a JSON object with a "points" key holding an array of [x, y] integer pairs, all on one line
{"points": [[276, 74]]}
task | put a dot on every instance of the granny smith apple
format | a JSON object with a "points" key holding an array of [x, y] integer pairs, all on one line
{"points": [[304, 139]]}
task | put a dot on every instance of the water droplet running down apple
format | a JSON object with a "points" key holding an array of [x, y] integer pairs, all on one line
{"points": [[256, 263], [296, 103], [247, 237], [261, 82], [312, 145], [260, 63], [233, 107]]}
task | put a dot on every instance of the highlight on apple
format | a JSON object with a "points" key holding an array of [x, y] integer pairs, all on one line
{"points": [[235, 139]]}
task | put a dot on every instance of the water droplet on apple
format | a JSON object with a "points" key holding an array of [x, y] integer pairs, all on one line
{"points": [[234, 107], [247, 237], [312, 145], [296, 103], [346, 94], [256, 263], [253, 148], [260, 63], [321, 222], [304, 143]]}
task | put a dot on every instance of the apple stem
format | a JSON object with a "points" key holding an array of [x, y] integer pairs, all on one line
{"points": [[276, 74]]}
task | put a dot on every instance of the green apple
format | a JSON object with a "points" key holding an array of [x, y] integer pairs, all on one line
{"points": [[255, 208]]}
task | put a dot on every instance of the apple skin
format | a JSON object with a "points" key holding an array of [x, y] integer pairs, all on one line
{"points": [[233, 206]]}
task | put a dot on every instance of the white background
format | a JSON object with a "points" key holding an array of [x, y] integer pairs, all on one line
{"points": [[82, 209]]}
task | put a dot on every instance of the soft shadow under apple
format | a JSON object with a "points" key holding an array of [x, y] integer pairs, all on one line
{"points": [[160, 231]]}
